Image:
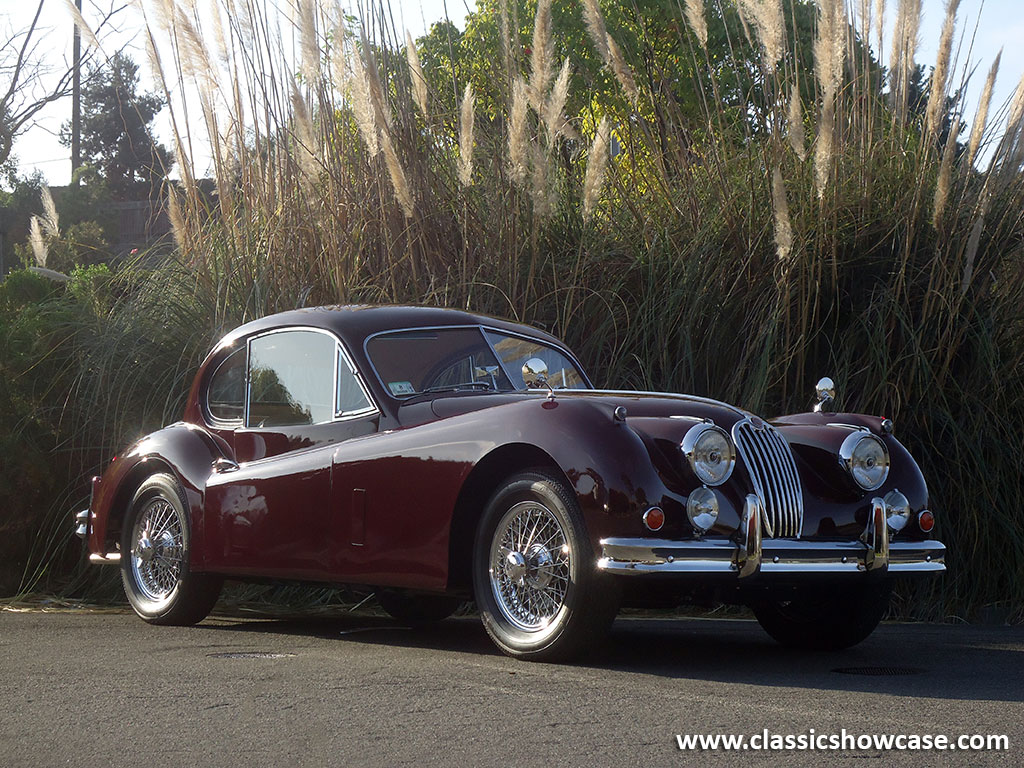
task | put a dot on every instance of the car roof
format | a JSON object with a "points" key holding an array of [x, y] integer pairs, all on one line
{"points": [[355, 322]]}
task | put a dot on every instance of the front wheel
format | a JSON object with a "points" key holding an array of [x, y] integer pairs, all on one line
{"points": [[823, 619], [154, 558], [540, 594]]}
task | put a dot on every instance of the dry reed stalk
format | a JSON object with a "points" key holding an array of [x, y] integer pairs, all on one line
{"points": [[695, 17], [622, 71], [518, 142], [780, 209], [542, 56], [83, 26], [539, 184], [824, 146], [596, 28], [901, 59], [973, 242], [981, 116], [309, 42], [419, 81], [192, 54], [362, 107], [830, 46], [175, 217], [304, 135], [937, 93], [880, 26], [942, 184], [382, 114], [466, 136], [597, 164], [553, 114], [795, 124], [36, 241], [50, 219], [403, 193], [218, 32], [506, 44], [766, 16]]}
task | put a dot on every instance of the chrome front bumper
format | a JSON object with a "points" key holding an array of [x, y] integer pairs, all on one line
{"points": [[747, 554]]}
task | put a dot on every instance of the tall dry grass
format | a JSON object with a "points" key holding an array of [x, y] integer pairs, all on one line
{"points": [[697, 246]]}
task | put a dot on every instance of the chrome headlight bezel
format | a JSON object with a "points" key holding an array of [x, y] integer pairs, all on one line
{"points": [[692, 447], [851, 456]]}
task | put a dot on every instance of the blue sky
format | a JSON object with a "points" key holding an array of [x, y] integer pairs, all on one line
{"points": [[994, 24]]}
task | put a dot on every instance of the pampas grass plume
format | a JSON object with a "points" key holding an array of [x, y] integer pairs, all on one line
{"points": [[466, 137]]}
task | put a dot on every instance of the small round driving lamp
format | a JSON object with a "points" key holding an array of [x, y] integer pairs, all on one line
{"points": [[710, 453], [897, 510], [702, 509], [866, 458]]}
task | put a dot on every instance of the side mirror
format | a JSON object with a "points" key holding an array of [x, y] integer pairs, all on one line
{"points": [[535, 373], [825, 390]]}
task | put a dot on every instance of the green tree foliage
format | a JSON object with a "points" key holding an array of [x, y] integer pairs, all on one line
{"points": [[117, 141]]}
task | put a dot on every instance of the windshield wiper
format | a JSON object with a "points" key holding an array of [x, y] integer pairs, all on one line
{"points": [[483, 385]]}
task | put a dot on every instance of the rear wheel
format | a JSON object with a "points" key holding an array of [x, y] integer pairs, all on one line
{"points": [[823, 619], [540, 594], [155, 569]]}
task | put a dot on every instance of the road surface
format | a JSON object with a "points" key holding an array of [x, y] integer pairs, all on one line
{"points": [[87, 689]]}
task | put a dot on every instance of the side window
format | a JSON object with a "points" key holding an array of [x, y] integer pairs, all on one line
{"points": [[351, 398], [291, 379], [225, 397]]}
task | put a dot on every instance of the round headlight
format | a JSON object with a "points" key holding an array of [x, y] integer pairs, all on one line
{"points": [[710, 453], [866, 459], [897, 510], [702, 509]]}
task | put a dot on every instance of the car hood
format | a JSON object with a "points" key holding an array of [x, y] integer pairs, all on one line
{"points": [[645, 411]]}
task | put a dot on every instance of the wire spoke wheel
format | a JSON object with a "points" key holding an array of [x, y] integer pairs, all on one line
{"points": [[530, 566], [158, 542], [155, 570], [540, 595]]}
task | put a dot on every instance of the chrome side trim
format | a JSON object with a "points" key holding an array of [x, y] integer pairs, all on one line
{"points": [[110, 558], [778, 557]]}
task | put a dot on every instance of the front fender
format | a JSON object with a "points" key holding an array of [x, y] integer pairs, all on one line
{"points": [[185, 451]]}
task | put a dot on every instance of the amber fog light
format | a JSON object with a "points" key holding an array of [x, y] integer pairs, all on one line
{"points": [[925, 520], [654, 518], [702, 509]]}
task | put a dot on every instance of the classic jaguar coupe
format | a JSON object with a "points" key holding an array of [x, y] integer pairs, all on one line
{"points": [[434, 456]]}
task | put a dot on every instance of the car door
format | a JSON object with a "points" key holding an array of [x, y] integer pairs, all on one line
{"points": [[270, 512]]}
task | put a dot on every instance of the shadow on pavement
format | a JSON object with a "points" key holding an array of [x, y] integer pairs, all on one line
{"points": [[943, 661]]}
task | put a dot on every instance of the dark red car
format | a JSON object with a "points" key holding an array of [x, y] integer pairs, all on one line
{"points": [[435, 455]]}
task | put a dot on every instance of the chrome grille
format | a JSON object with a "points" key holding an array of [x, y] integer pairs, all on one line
{"points": [[769, 462]]}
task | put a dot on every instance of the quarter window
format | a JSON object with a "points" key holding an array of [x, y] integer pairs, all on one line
{"points": [[291, 379], [351, 398], [225, 396]]}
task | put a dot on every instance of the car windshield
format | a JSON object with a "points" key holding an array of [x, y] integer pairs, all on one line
{"points": [[432, 360]]}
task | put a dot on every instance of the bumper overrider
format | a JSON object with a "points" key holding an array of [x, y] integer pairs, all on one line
{"points": [[747, 555]]}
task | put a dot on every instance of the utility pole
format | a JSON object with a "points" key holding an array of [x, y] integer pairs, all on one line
{"points": [[76, 102]]}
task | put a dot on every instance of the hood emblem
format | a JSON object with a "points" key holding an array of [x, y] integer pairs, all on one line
{"points": [[757, 424]]}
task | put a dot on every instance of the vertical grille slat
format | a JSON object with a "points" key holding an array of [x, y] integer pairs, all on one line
{"points": [[769, 462]]}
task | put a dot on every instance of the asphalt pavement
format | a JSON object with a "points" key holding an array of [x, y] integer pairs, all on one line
{"points": [[89, 689]]}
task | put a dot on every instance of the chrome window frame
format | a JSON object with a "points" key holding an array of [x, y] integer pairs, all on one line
{"points": [[481, 327], [340, 353], [204, 397]]}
